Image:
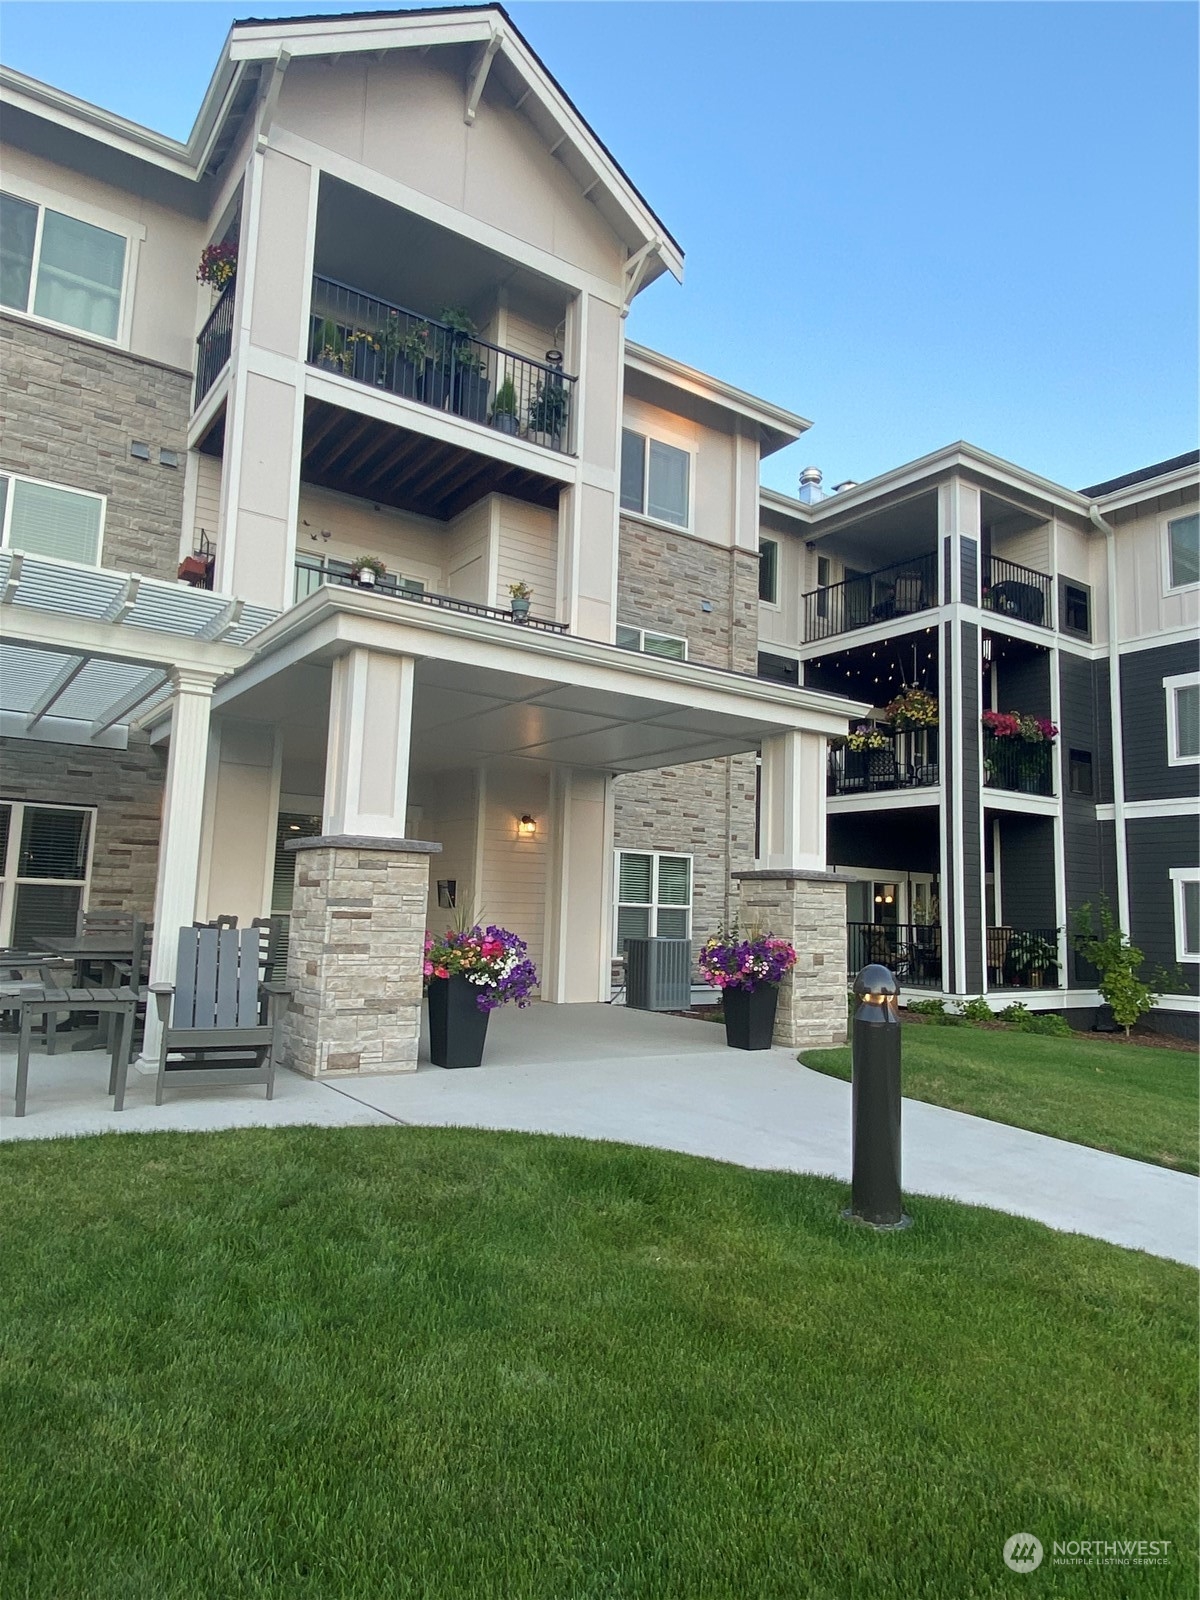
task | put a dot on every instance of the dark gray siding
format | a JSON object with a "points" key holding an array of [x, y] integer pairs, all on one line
{"points": [[1026, 871], [970, 572], [891, 841], [950, 746], [1079, 730], [968, 777], [1023, 681], [1144, 723], [1156, 844], [1103, 752]]}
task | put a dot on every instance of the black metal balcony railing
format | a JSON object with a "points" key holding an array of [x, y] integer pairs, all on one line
{"points": [[1022, 958], [908, 761], [1018, 764], [390, 347], [1019, 592], [913, 951], [214, 342], [895, 591], [312, 575]]}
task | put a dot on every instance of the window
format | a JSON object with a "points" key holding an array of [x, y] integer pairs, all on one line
{"points": [[1183, 551], [1076, 609], [1079, 772], [768, 571], [651, 644], [654, 478], [654, 896], [44, 519], [45, 859], [60, 268], [1183, 719], [1185, 882]]}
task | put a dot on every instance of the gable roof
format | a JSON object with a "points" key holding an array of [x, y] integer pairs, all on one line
{"points": [[1128, 480]]}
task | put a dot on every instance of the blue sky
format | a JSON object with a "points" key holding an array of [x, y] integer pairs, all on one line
{"points": [[912, 223]]}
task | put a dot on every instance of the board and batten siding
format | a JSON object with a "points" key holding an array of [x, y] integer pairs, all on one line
{"points": [[514, 875], [1155, 845], [528, 538], [1144, 723]]}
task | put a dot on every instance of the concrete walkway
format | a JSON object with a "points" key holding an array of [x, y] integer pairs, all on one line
{"points": [[603, 1072]]}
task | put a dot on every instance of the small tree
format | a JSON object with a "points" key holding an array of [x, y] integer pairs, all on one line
{"points": [[1117, 961]]}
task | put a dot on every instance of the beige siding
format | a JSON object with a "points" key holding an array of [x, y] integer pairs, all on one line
{"points": [[468, 555], [528, 552], [412, 547], [1029, 548], [527, 338], [1144, 607], [513, 890], [449, 808], [208, 500], [712, 489]]}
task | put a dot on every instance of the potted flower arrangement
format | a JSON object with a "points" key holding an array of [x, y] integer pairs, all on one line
{"points": [[748, 971], [333, 347], [218, 264], [912, 708], [520, 594], [1017, 750], [1028, 959], [471, 386], [548, 414], [468, 973], [504, 408], [866, 736], [366, 571]]}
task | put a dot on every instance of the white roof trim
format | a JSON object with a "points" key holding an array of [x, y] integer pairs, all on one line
{"points": [[717, 392], [1149, 489]]}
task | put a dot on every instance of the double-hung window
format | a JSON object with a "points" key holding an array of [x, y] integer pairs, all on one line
{"points": [[654, 896], [45, 519], [651, 643], [1183, 551], [61, 268], [1183, 719], [45, 862], [654, 478], [1185, 885], [768, 571]]}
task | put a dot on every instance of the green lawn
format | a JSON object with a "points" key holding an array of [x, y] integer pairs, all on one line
{"points": [[1134, 1099], [382, 1363]]}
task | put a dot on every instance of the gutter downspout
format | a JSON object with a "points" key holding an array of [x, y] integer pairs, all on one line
{"points": [[1114, 703]]}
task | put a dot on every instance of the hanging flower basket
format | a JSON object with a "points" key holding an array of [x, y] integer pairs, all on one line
{"points": [[912, 708], [868, 737], [218, 264]]}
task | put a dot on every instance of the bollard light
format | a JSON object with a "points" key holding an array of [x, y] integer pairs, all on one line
{"points": [[875, 1196]]}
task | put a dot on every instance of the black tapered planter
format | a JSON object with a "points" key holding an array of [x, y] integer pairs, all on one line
{"points": [[750, 1016], [457, 1027]]}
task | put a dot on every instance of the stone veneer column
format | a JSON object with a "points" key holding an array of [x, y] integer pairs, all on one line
{"points": [[809, 908], [356, 954]]}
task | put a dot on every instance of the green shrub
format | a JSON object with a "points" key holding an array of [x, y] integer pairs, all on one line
{"points": [[977, 1010], [934, 1011], [1118, 962], [1025, 1021]]}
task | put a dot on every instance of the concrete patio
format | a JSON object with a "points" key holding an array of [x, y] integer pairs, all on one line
{"points": [[603, 1072]]}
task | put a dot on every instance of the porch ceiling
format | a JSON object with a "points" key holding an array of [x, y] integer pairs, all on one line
{"points": [[361, 455]]}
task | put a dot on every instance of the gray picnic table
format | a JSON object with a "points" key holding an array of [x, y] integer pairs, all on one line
{"points": [[29, 1000]]}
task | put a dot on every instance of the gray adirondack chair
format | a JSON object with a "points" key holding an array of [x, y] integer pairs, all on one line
{"points": [[214, 1027]]}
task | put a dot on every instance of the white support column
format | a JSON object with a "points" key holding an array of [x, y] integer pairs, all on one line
{"points": [[370, 734], [182, 821], [793, 832]]}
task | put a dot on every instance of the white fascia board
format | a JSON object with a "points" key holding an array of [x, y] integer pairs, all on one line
{"points": [[333, 620], [1169, 483], [93, 122], [653, 364]]}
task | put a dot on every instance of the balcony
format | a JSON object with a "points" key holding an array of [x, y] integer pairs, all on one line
{"points": [[1022, 958], [908, 761], [1021, 593], [214, 343], [900, 590], [1018, 765], [913, 951], [314, 575], [386, 346]]}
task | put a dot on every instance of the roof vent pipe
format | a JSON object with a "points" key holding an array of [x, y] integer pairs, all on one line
{"points": [[810, 486]]}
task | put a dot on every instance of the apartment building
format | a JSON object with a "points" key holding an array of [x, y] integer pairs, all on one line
{"points": [[419, 357], [414, 354], [994, 591]]}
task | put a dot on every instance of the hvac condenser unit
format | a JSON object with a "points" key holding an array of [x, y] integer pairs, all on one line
{"points": [[658, 974]]}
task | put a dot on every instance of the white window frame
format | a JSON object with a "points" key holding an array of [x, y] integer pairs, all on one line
{"points": [[652, 905], [1171, 685], [10, 879], [659, 436], [133, 234], [1180, 876], [654, 633], [66, 488], [773, 605], [1178, 515]]}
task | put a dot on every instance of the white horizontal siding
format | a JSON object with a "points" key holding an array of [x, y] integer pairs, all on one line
{"points": [[528, 552]]}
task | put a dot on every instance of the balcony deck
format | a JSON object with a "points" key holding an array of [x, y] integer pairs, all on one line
{"points": [[901, 590], [909, 761], [312, 575]]}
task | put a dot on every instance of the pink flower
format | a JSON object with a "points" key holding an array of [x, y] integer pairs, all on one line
{"points": [[429, 969]]}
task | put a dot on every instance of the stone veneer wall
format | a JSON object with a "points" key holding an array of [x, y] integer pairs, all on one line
{"points": [[356, 952], [809, 908], [126, 788], [69, 409], [704, 809]]}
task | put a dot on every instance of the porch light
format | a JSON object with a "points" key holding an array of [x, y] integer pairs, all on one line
{"points": [[526, 827]]}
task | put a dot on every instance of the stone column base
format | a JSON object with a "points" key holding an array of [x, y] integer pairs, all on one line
{"points": [[356, 955], [809, 908]]}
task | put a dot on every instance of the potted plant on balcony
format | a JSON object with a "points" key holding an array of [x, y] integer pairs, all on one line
{"points": [[332, 346], [468, 973], [912, 708], [548, 413], [866, 736], [748, 971], [520, 594], [470, 382], [1028, 960], [366, 571], [504, 408], [218, 264]]}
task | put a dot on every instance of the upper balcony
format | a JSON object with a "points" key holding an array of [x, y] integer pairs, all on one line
{"points": [[1020, 593], [900, 590]]}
